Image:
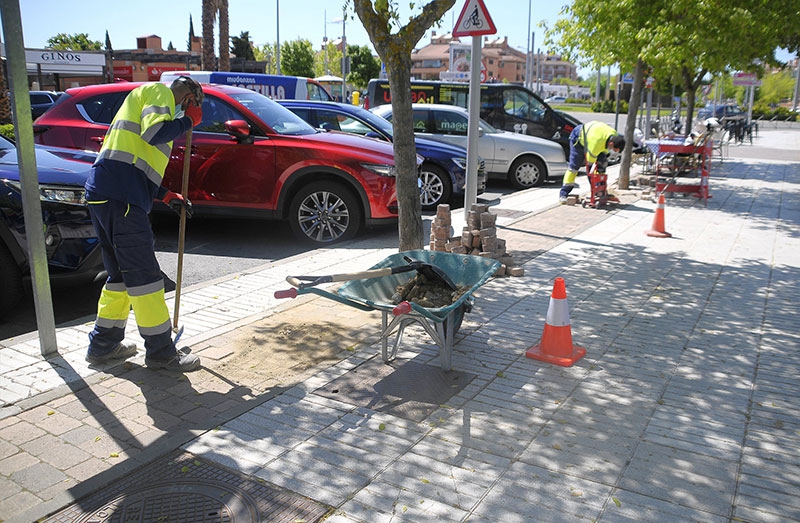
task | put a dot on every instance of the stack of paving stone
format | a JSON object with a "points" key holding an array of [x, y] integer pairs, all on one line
{"points": [[478, 238]]}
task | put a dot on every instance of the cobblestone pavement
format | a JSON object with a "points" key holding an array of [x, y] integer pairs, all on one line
{"points": [[683, 409]]}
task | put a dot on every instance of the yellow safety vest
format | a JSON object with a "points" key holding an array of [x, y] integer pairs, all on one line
{"points": [[136, 122], [594, 138]]}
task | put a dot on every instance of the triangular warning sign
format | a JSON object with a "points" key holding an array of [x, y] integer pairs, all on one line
{"points": [[474, 20]]}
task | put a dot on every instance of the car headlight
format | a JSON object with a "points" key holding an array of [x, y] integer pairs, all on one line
{"points": [[57, 193], [461, 163], [387, 171], [70, 195]]}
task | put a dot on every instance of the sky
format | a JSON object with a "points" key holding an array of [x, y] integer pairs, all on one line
{"points": [[266, 20], [126, 20]]}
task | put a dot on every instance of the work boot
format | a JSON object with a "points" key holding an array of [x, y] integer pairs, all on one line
{"points": [[122, 351], [181, 362]]}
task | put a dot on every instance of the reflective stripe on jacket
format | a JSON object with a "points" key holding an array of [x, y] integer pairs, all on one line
{"points": [[138, 120]]}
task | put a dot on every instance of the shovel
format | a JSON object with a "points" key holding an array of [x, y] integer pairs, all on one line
{"points": [[187, 157], [431, 272]]}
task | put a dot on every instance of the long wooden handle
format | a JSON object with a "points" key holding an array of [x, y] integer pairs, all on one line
{"points": [[187, 157], [303, 282]]}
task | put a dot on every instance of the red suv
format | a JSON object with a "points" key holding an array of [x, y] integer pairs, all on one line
{"points": [[251, 157]]}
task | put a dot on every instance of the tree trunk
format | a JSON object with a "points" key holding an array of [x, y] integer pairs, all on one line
{"points": [[691, 82], [633, 107], [410, 214], [395, 51], [224, 37], [5, 99], [209, 13]]}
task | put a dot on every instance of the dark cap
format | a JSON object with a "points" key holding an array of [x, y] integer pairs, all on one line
{"points": [[193, 86]]}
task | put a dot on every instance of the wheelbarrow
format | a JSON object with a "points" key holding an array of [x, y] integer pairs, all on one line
{"points": [[467, 272]]}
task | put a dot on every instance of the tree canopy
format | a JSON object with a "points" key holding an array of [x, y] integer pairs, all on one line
{"points": [[242, 47], [297, 58], [680, 41], [75, 42], [363, 66]]}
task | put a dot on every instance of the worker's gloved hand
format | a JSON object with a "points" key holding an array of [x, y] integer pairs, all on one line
{"points": [[195, 113], [176, 202]]}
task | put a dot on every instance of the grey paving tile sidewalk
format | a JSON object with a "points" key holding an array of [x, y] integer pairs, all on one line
{"points": [[684, 409]]}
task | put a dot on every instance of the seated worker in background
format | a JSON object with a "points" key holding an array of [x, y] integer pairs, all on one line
{"points": [[589, 143]]}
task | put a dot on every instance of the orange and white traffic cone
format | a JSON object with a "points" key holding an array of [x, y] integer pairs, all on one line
{"points": [[556, 344], [657, 230]]}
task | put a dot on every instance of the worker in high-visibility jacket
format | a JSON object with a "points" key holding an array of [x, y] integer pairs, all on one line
{"points": [[124, 181], [589, 143]]}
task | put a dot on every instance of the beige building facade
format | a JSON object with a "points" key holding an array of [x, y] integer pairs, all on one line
{"points": [[500, 62]]}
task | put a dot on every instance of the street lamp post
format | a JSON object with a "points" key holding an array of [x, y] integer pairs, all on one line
{"points": [[325, 42], [344, 52], [344, 59], [278, 36], [528, 58]]}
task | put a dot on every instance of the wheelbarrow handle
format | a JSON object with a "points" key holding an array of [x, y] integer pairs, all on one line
{"points": [[404, 307], [287, 293], [304, 282]]}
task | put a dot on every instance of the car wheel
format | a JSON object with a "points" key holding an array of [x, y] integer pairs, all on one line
{"points": [[10, 281], [324, 213], [435, 187], [527, 172]]}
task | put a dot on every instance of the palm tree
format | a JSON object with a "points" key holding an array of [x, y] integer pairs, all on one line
{"points": [[209, 15], [210, 10], [224, 37]]}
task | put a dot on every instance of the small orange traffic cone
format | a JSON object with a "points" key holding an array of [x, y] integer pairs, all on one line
{"points": [[657, 230], [556, 343]]}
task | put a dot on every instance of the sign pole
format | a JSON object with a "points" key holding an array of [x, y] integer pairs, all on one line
{"points": [[29, 176], [474, 21], [471, 190]]}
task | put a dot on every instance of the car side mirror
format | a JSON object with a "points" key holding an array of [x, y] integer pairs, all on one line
{"points": [[240, 130]]}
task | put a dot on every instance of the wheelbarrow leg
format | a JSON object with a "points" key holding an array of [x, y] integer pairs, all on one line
{"points": [[445, 331], [387, 327], [442, 333], [385, 332]]}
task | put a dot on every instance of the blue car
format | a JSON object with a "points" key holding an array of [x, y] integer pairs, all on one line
{"points": [[443, 171], [73, 251]]}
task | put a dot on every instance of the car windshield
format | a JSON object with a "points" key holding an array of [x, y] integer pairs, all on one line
{"points": [[374, 120], [484, 125], [280, 119], [487, 128]]}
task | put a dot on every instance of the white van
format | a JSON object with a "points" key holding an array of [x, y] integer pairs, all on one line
{"points": [[273, 86]]}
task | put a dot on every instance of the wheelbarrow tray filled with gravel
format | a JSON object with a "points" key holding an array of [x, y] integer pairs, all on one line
{"points": [[467, 272]]}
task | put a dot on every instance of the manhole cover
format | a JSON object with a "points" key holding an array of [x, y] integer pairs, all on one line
{"points": [[181, 488]]}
